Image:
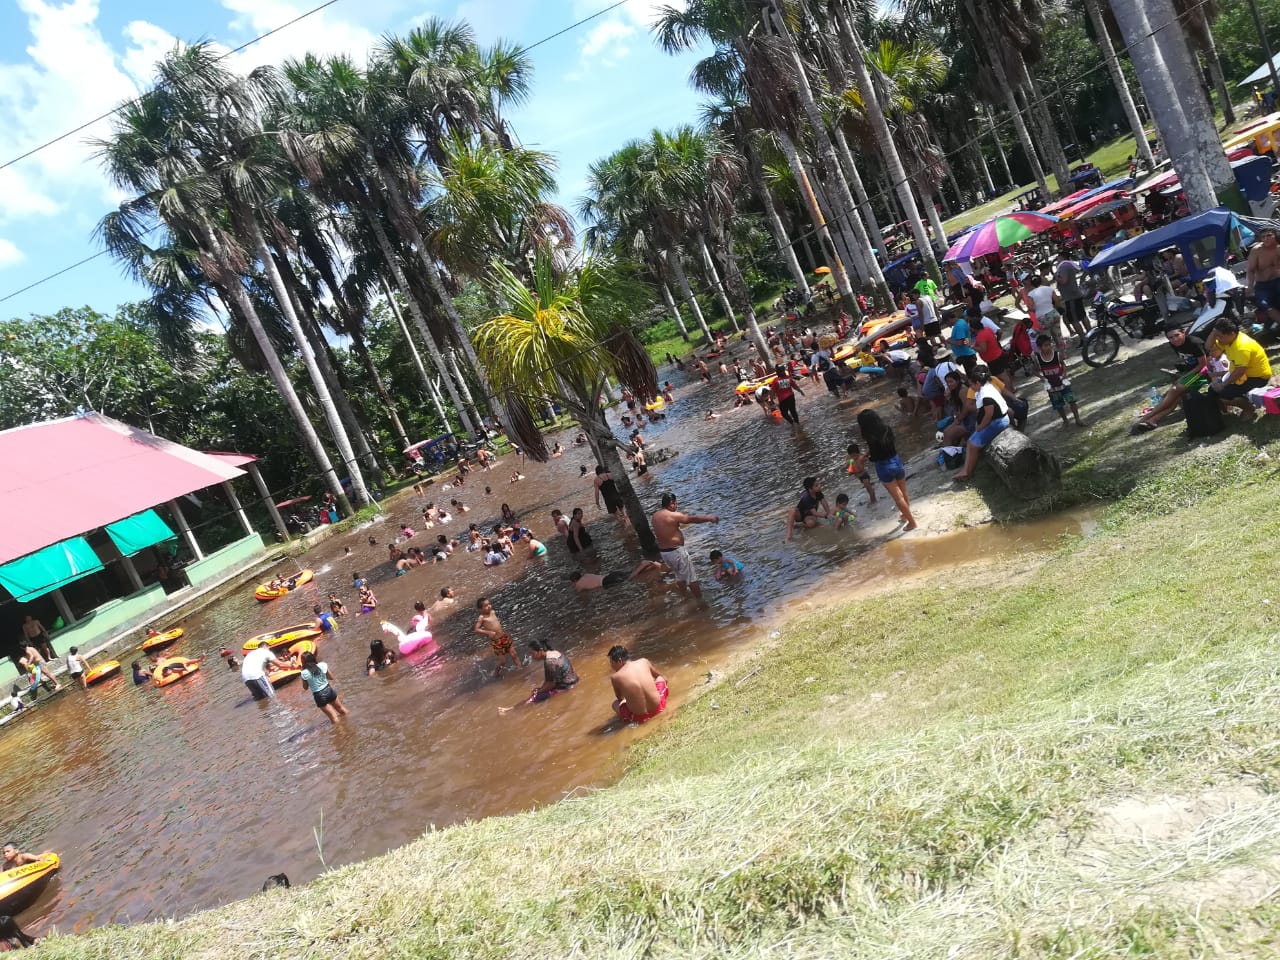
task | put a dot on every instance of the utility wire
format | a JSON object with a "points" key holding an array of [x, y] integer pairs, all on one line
{"points": [[116, 109]]}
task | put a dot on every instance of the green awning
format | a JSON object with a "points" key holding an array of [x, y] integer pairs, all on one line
{"points": [[138, 532], [46, 570]]}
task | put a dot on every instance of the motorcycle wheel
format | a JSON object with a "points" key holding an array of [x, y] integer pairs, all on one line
{"points": [[1100, 347]]}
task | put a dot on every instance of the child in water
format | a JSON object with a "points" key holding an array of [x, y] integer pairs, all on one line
{"points": [[727, 568], [336, 606], [858, 467], [490, 626], [368, 602], [844, 516]]}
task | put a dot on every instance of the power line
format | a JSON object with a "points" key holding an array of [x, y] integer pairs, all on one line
{"points": [[114, 110], [79, 263]]}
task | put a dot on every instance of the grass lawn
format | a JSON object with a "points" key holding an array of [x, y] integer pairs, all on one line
{"points": [[1111, 158], [1067, 753]]}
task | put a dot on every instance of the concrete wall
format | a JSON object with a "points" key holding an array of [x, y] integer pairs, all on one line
{"points": [[95, 627], [219, 563]]}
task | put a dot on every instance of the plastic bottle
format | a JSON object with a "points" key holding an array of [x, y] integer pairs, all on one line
{"points": [[1156, 396]]}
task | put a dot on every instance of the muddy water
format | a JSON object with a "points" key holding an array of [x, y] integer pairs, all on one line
{"points": [[162, 802]]}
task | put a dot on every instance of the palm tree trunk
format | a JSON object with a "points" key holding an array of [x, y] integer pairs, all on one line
{"points": [[776, 227], [1202, 130], [975, 150], [808, 251], [432, 392], [859, 192], [435, 280], [1170, 95], [713, 278], [1215, 71], [235, 291], [1103, 37], [1038, 110], [451, 358], [810, 201], [1004, 157], [325, 398], [733, 274], [931, 211], [676, 263], [888, 150], [605, 447], [674, 310], [420, 321], [844, 207], [361, 350]]}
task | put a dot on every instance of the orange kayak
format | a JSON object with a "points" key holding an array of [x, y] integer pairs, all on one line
{"points": [[266, 592], [163, 679], [301, 647], [20, 886], [282, 638], [278, 678], [161, 640], [101, 672]]}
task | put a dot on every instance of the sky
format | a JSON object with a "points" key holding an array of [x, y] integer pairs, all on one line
{"points": [[64, 63]]}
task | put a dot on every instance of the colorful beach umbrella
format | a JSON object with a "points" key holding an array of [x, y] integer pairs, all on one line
{"points": [[822, 270], [1004, 231]]}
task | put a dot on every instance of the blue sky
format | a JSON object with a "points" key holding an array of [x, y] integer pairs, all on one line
{"points": [[63, 62]]}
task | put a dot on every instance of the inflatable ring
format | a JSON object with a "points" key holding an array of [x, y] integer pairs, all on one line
{"points": [[265, 592], [751, 386], [101, 672], [408, 642], [657, 405], [20, 886], [163, 679], [161, 640], [282, 638]]}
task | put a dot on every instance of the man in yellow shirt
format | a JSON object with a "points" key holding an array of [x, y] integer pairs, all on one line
{"points": [[1250, 367]]}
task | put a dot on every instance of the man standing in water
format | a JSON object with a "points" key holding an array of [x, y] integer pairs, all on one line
{"points": [[666, 527], [640, 689]]}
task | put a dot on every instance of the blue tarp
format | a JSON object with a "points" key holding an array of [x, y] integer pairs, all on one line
{"points": [[1204, 240], [46, 570]]}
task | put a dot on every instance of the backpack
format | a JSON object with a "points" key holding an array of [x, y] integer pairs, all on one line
{"points": [[1204, 416]]}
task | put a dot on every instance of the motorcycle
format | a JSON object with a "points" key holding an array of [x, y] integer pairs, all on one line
{"points": [[1140, 321]]}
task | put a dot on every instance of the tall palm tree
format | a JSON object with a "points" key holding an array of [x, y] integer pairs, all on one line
{"points": [[561, 336], [334, 126], [1102, 34], [153, 152]]}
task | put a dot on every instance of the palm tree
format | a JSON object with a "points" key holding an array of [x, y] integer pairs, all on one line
{"points": [[900, 75], [1103, 35], [153, 152], [333, 124], [561, 336]]}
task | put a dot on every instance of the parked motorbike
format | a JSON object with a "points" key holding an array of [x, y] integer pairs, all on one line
{"points": [[1139, 321]]}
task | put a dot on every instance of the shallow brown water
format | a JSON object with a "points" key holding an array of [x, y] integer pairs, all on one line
{"points": [[162, 802]]}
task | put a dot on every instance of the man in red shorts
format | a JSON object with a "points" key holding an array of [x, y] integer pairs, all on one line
{"points": [[641, 689]]}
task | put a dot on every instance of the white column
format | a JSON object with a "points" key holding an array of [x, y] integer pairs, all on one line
{"points": [[267, 500], [235, 505], [64, 608], [132, 572], [185, 530]]}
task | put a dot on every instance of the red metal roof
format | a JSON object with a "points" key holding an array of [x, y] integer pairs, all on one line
{"points": [[68, 477]]}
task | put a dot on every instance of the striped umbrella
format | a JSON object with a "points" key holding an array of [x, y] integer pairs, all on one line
{"points": [[1003, 231]]}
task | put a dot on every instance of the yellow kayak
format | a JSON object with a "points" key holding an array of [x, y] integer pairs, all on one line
{"points": [[19, 886]]}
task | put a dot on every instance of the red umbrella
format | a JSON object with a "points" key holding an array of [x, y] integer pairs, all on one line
{"points": [[290, 503]]}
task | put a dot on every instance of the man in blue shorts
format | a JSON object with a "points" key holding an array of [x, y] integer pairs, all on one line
{"points": [[1262, 278]]}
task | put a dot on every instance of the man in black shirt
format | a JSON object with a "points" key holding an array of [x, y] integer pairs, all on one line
{"points": [[1192, 372]]}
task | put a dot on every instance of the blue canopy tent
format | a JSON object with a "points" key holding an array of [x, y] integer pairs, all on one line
{"points": [[1204, 240]]}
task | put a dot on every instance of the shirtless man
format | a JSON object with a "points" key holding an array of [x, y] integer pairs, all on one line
{"points": [[641, 690], [36, 634], [490, 626], [444, 604], [13, 857], [1262, 278], [594, 581], [666, 527], [561, 521]]}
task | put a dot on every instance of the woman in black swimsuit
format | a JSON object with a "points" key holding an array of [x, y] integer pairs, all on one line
{"points": [[578, 539]]}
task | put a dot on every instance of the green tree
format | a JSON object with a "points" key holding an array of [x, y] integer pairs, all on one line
{"points": [[563, 335]]}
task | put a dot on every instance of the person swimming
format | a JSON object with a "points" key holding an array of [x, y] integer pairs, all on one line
{"points": [[380, 655], [594, 581], [726, 567]]}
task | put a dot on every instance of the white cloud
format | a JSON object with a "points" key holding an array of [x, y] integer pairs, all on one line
{"points": [[319, 33], [607, 42], [9, 254]]}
